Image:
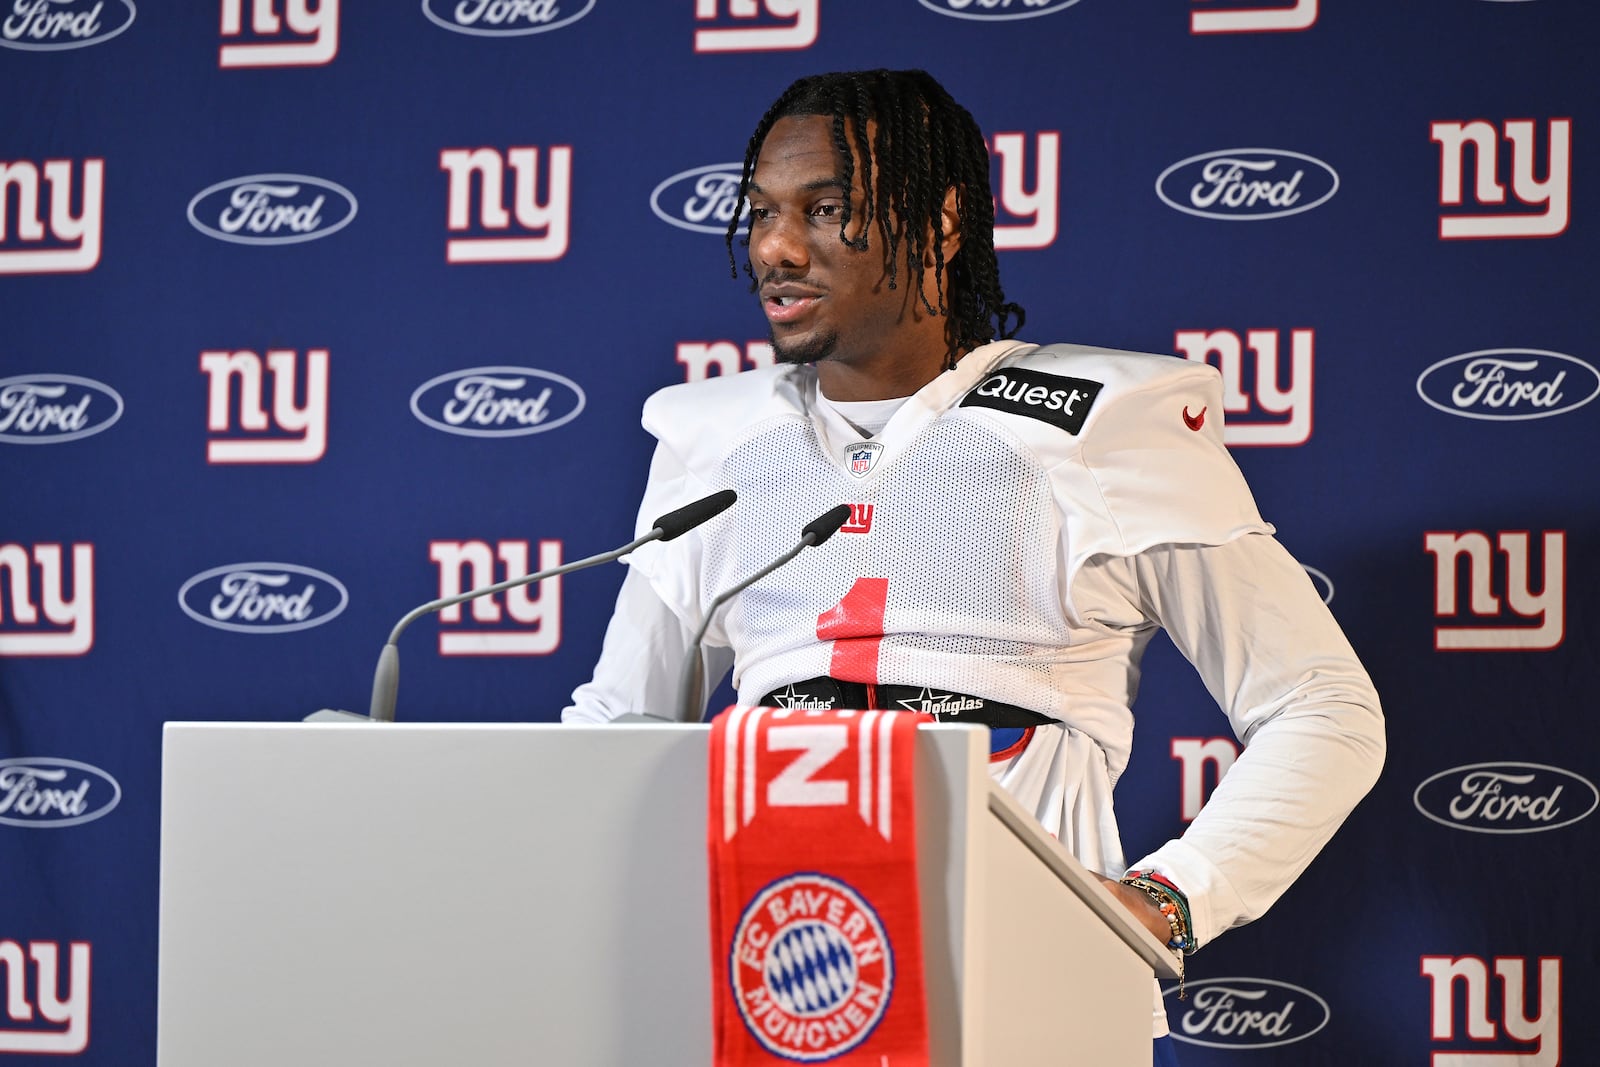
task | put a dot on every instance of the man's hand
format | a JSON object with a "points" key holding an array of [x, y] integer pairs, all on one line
{"points": [[1141, 907]]}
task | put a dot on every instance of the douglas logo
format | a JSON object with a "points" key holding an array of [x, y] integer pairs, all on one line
{"points": [[497, 401], [45, 409], [996, 10], [43, 792], [1245, 184], [1506, 384], [504, 18], [262, 598], [1247, 1013], [701, 199], [54, 25], [1506, 798], [272, 209]]}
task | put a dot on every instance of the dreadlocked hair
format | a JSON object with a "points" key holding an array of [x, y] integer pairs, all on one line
{"points": [[924, 144]]}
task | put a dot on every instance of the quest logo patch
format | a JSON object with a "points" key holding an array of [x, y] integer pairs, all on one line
{"points": [[262, 598], [1061, 401], [1247, 184], [43, 792], [498, 401], [56, 25], [46, 409], [272, 209]]}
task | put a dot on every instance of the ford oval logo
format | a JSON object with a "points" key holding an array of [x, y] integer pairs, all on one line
{"points": [[504, 18], [55, 25], [46, 409], [262, 598], [497, 401], [1507, 384], [1246, 184], [996, 10], [1246, 1013], [702, 199], [272, 209], [1323, 583], [43, 792], [1506, 798]]}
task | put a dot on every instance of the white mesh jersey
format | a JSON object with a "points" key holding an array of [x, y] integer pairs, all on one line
{"points": [[1023, 555]]}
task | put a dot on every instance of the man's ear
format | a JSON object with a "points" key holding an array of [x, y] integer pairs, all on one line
{"points": [[950, 223]]}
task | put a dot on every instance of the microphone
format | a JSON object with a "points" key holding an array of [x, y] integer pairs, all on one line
{"points": [[690, 680], [386, 679]]}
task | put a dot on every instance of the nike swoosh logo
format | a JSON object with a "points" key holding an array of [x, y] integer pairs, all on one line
{"points": [[1194, 422]]}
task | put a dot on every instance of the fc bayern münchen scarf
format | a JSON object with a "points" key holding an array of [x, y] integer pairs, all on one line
{"points": [[816, 934]]}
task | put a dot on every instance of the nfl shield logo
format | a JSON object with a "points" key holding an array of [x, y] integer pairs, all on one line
{"points": [[861, 456]]}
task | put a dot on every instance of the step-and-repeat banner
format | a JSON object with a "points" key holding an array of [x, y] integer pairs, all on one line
{"points": [[313, 311]]}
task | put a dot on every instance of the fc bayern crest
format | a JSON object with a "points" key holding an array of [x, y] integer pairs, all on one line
{"points": [[811, 967], [862, 456]]}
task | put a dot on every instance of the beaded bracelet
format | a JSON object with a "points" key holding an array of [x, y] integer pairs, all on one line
{"points": [[1174, 907]]}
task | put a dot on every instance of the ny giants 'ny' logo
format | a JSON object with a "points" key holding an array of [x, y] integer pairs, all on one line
{"points": [[1551, 196], [291, 433], [73, 241], [68, 626], [817, 738], [1277, 18], [703, 359], [860, 521], [1272, 412], [1041, 206], [1546, 608], [303, 36], [792, 24], [1543, 1029], [537, 615], [541, 232], [1195, 755], [69, 1033]]}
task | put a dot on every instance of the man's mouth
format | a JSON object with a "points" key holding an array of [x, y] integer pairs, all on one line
{"points": [[787, 307]]}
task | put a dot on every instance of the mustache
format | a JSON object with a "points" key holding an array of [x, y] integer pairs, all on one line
{"points": [[779, 277]]}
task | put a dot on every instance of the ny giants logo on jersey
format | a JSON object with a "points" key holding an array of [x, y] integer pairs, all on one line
{"points": [[46, 1024], [45, 792], [55, 25], [1246, 1013], [1247, 184], [1210, 17], [504, 18], [35, 582], [47, 409], [706, 359], [1515, 1031], [1506, 798], [1264, 406], [241, 428], [1509, 384], [263, 598], [541, 228], [1546, 609], [497, 401], [860, 521], [272, 209], [1549, 198], [70, 243], [1036, 211], [996, 10], [280, 33], [534, 624], [755, 25]]}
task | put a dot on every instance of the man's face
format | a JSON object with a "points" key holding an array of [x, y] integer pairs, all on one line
{"points": [[825, 301]]}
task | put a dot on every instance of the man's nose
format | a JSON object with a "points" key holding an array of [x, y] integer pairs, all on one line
{"points": [[780, 243]]}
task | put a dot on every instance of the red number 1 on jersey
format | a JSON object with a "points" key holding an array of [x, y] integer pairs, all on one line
{"points": [[855, 626]]}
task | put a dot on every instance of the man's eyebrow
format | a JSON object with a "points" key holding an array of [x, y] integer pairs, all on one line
{"points": [[819, 184]]}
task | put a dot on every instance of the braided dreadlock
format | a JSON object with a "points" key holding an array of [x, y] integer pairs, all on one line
{"points": [[925, 145]]}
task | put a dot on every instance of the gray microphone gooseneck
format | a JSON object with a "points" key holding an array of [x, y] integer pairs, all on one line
{"points": [[691, 683], [386, 679]]}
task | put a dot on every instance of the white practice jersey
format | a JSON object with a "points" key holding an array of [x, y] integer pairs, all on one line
{"points": [[1020, 529]]}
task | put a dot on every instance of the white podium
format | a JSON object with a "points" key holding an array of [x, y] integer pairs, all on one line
{"points": [[488, 895]]}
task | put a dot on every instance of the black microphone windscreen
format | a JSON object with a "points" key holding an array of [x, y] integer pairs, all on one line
{"points": [[677, 523], [827, 524]]}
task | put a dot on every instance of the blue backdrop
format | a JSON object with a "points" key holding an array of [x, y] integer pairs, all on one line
{"points": [[307, 312]]}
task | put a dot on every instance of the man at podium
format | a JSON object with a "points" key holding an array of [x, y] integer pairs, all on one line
{"points": [[1023, 518]]}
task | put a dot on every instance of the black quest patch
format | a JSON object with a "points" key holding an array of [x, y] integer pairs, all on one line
{"points": [[1051, 398]]}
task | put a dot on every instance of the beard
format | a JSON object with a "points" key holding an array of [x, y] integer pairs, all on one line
{"points": [[813, 349]]}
